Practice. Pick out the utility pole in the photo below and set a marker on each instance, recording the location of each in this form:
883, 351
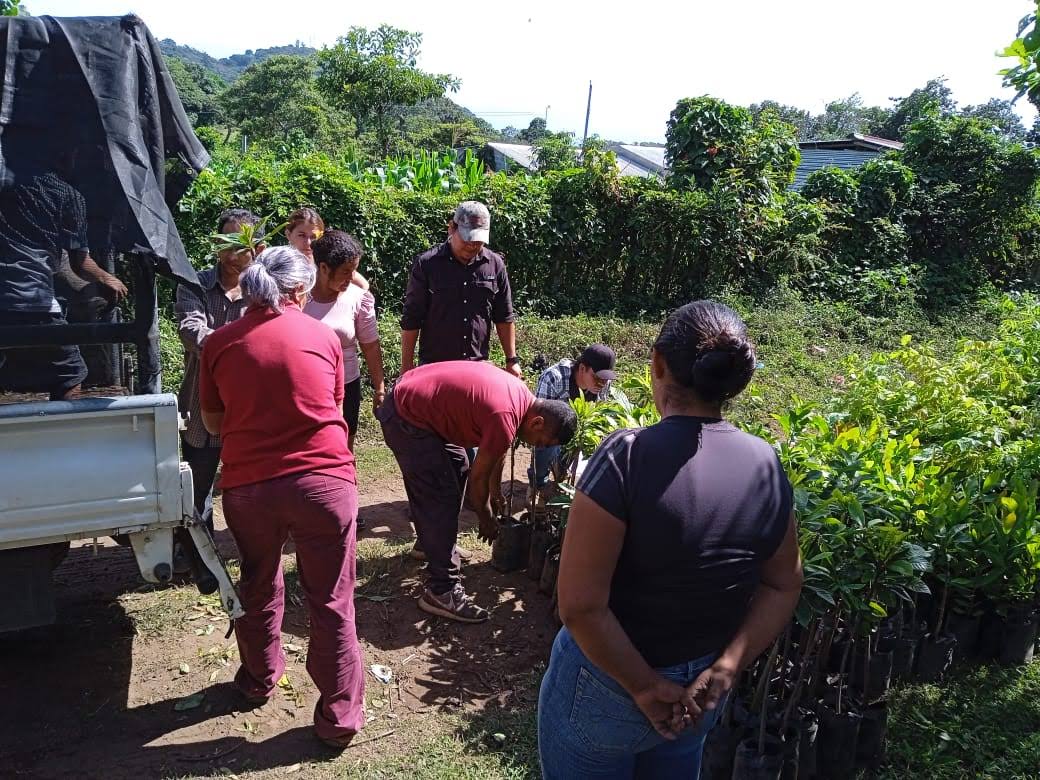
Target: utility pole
588, 111
547, 116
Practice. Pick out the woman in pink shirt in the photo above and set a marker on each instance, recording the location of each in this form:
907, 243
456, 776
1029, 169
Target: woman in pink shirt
351, 312
271, 385
303, 228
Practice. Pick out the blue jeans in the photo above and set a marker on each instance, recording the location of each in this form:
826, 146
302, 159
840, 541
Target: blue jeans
544, 458
589, 727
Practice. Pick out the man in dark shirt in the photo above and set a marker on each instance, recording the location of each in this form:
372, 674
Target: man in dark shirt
432, 414
42, 216
456, 292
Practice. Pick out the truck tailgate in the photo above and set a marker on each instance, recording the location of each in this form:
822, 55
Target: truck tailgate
89, 467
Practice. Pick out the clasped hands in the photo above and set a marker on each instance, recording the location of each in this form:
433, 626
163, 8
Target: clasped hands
672, 708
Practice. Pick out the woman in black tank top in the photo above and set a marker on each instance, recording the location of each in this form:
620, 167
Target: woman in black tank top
680, 566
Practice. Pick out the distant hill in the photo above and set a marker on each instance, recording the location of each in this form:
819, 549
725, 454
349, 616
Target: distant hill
229, 68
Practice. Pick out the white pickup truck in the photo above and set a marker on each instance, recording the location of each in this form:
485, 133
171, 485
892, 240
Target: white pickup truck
90, 468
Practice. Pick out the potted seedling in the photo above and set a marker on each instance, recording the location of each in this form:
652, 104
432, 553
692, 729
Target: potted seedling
512, 546
248, 238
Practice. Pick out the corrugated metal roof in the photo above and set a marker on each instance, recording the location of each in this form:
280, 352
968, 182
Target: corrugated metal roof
521, 154
630, 167
650, 157
815, 159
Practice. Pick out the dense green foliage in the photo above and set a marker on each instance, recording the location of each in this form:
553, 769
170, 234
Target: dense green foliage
935, 224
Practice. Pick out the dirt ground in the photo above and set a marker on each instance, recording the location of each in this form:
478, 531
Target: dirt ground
108, 691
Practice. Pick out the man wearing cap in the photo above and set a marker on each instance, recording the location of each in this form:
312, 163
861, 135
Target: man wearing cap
456, 292
589, 377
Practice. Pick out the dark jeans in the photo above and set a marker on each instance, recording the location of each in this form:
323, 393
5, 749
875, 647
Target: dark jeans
435, 474
204, 462
352, 405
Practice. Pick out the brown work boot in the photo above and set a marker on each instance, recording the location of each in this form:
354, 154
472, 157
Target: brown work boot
454, 605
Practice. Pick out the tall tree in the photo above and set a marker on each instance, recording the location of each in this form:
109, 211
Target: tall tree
933, 99
1001, 114
277, 98
199, 90
373, 74
535, 130
803, 121
841, 118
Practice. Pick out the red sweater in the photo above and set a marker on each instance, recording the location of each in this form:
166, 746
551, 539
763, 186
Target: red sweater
278, 379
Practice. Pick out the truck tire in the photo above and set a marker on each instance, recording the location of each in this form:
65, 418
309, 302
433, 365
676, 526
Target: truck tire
58, 553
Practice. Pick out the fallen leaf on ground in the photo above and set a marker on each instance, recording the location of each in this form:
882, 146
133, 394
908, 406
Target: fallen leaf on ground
189, 702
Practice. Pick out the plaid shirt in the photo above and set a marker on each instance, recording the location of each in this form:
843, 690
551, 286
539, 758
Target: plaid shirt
556, 384
196, 319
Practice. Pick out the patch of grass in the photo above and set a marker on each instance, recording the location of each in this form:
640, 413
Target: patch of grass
157, 610
984, 722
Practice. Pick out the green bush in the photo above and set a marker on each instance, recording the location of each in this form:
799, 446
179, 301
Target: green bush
935, 224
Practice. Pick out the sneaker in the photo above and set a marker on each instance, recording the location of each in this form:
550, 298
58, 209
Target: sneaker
419, 554
454, 605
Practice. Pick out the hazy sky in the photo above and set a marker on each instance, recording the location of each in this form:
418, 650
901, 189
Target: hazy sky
521, 57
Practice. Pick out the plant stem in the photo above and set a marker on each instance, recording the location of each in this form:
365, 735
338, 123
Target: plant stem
814, 635
763, 694
844, 662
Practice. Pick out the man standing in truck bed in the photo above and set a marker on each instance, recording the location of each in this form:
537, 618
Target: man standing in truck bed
41, 216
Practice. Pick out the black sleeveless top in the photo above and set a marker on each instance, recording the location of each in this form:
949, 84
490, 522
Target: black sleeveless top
704, 504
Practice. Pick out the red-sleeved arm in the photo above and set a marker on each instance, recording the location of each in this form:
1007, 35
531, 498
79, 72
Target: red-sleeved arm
209, 393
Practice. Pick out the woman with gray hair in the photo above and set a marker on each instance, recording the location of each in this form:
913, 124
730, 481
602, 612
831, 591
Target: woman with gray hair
271, 385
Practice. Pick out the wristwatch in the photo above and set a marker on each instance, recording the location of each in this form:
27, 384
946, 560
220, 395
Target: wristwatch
513, 361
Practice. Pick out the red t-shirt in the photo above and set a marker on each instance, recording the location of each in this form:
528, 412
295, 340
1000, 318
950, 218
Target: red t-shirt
278, 379
464, 402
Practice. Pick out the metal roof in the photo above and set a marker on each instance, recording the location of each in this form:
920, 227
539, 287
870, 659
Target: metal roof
521, 154
649, 157
872, 143
815, 159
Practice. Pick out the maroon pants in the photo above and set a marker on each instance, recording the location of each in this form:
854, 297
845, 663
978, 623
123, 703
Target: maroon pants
320, 512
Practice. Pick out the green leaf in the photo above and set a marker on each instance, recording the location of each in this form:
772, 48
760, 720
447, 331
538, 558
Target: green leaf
189, 702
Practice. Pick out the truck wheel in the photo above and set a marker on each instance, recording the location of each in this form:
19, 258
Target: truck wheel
58, 553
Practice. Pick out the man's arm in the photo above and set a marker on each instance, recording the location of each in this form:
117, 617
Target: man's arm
82, 262
502, 316
211, 405
507, 335
408, 341
482, 486
192, 321
413, 315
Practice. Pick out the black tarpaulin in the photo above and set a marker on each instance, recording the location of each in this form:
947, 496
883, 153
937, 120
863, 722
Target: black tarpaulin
90, 99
